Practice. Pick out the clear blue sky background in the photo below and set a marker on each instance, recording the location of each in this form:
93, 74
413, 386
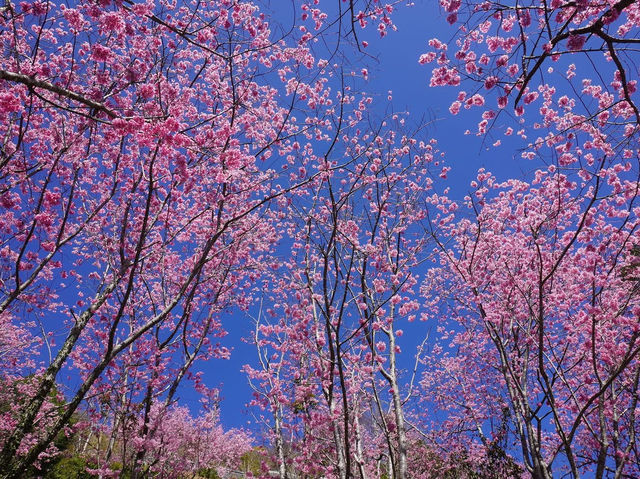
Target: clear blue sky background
395, 68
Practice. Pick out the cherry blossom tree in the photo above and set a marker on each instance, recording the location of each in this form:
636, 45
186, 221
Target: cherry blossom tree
547, 321
542, 321
568, 67
158, 159
180, 446
140, 145
329, 339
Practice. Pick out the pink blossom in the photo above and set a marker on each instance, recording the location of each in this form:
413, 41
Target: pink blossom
427, 58
100, 53
576, 42
490, 82
9, 103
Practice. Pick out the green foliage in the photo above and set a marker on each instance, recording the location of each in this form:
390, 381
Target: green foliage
249, 462
208, 473
252, 460
73, 467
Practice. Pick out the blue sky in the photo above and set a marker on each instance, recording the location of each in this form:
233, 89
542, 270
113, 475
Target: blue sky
393, 66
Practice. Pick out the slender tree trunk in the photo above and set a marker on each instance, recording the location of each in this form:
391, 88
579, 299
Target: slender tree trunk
337, 439
138, 470
397, 407
282, 465
359, 452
